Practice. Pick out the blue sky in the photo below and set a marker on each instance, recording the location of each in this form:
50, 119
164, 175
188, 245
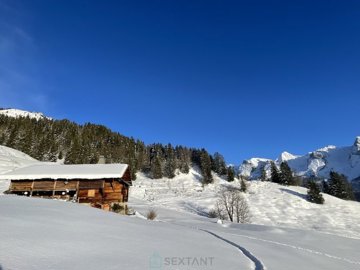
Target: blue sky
245, 78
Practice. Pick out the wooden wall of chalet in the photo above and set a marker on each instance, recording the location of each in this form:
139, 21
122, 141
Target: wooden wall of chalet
127, 176
103, 191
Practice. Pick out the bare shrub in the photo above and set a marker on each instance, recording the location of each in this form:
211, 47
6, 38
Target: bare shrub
232, 205
243, 185
151, 214
118, 208
242, 211
212, 213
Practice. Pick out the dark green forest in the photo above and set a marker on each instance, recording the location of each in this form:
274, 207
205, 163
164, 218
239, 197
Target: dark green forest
51, 140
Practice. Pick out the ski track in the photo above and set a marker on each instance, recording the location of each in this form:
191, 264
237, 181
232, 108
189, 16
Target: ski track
258, 264
298, 248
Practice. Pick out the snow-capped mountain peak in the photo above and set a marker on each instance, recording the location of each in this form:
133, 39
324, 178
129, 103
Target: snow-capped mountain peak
356, 146
16, 113
285, 156
319, 163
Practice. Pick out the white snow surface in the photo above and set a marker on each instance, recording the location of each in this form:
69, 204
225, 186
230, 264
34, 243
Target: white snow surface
60, 171
16, 113
11, 159
319, 163
46, 234
287, 232
270, 204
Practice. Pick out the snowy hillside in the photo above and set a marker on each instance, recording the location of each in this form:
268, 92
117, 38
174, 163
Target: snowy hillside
20, 113
11, 159
47, 234
270, 204
285, 230
345, 160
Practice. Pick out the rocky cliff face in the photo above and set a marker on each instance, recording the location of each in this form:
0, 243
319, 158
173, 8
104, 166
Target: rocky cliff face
356, 147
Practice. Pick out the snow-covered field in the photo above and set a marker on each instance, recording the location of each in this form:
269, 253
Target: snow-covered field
270, 204
11, 159
287, 232
47, 234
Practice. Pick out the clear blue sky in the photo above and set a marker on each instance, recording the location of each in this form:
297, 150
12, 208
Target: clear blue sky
245, 78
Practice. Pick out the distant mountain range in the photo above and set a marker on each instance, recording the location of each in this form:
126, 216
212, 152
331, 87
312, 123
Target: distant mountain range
319, 163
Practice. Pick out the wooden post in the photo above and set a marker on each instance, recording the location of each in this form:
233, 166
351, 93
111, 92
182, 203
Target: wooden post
53, 192
32, 187
77, 191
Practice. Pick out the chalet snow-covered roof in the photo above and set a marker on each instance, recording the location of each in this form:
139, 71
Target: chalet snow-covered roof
58, 171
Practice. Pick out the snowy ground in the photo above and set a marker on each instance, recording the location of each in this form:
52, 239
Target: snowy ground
11, 159
270, 204
287, 231
46, 234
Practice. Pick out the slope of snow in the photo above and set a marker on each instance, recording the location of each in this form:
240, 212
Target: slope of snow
47, 234
286, 206
16, 113
270, 204
319, 163
11, 159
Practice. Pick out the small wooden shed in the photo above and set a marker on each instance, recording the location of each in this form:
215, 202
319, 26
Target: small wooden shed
99, 185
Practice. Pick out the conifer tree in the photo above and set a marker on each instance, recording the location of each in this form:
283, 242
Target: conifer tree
286, 175
40, 150
183, 157
230, 174
263, 175
275, 175
74, 154
339, 186
170, 165
2, 138
218, 164
53, 153
11, 141
313, 193
26, 143
205, 166
243, 186
156, 170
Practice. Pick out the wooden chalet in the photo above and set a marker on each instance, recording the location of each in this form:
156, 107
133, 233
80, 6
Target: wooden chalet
99, 185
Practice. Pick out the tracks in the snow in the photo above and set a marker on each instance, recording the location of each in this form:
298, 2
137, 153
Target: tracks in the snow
315, 252
258, 264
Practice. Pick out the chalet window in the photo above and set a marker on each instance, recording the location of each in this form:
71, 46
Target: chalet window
91, 193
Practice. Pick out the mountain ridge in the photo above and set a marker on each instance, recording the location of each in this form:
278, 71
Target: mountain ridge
318, 163
16, 113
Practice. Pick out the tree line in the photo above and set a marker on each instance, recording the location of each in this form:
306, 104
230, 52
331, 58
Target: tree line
53, 140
